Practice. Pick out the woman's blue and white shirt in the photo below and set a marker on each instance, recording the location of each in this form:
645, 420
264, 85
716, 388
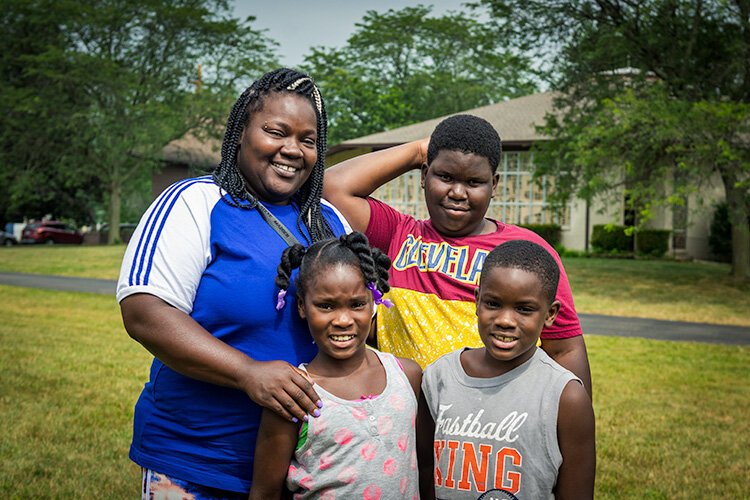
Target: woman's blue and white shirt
217, 263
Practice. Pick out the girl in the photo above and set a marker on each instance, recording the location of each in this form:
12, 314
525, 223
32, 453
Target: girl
362, 445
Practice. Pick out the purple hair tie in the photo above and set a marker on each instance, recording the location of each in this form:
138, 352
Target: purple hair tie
378, 295
280, 302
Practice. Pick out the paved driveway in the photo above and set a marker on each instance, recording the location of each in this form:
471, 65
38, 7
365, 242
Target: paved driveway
591, 323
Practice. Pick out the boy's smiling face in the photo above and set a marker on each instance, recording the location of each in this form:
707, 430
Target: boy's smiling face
512, 309
458, 188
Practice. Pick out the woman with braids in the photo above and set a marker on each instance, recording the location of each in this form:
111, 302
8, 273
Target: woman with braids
196, 289
363, 444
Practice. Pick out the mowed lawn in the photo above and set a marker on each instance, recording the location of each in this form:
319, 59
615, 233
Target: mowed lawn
701, 292
672, 418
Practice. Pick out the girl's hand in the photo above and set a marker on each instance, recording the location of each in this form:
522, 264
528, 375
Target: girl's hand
282, 388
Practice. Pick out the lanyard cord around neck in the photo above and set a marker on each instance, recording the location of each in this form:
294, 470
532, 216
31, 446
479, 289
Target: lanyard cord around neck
276, 224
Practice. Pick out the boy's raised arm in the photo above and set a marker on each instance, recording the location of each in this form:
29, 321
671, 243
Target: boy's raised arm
575, 435
348, 184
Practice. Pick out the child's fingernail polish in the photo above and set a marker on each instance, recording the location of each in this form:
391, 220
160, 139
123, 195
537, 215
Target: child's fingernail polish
305, 418
316, 413
320, 404
295, 420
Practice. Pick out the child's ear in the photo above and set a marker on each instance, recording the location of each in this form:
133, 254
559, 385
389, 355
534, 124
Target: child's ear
495, 180
301, 307
476, 298
549, 318
425, 167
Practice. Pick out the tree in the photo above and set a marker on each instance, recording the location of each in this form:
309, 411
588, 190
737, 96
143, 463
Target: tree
404, 66
124, 73
678, 112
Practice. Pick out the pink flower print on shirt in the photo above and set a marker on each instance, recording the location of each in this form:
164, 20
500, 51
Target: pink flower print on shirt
328, 495
359, 413
306, 483
385, 425
413, 461
368, 451
403, 442
397, 402
372, 492
403, 485
293, 471
390, 467
320, 425
348, 475
343, 436
326, 461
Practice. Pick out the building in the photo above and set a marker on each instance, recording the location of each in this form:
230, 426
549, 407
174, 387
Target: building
519, 199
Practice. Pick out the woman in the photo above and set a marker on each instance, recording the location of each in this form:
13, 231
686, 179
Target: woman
197, 290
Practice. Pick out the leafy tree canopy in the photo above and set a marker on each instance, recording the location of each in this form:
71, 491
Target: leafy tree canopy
655, 98
94, 91
405, 66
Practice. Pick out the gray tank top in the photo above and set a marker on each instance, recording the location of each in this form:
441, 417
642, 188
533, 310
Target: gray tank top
498, 432
361, 449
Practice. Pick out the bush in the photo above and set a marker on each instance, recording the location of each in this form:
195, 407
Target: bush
550, 232
611, 238
653, 242
569, 252
720, 235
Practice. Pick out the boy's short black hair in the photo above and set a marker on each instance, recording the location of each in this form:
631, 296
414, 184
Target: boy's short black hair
527, 256
468, 134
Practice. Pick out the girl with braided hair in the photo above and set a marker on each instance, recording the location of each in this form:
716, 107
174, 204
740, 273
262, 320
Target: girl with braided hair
196, 290
363, 443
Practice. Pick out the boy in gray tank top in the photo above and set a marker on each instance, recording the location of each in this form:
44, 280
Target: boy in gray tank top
506, 417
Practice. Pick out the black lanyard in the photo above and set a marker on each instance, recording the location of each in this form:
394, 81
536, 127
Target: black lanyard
276, 224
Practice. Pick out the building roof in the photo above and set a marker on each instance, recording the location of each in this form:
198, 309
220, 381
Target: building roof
515, 121
193, 152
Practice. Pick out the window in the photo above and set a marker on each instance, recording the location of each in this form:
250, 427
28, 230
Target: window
518, 200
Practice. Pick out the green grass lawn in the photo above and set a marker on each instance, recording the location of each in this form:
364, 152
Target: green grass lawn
680, 291
89, 261
671, 417
683, 291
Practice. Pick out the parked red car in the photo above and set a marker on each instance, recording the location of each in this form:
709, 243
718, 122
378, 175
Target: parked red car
51, 231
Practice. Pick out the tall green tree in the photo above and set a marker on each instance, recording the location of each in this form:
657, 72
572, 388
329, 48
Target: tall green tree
654, 94
404, 66
114, 82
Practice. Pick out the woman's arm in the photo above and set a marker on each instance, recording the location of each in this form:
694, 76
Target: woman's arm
274, 449
348, 184
186, 347
576, 437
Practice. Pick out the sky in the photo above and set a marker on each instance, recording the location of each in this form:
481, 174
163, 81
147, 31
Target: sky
298, 25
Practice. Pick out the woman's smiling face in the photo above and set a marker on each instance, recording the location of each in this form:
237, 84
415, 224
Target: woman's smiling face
278, 147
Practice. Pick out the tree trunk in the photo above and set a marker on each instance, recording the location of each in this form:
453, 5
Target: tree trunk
115, 195
738, 218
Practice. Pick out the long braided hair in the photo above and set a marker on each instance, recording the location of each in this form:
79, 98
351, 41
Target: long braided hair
351, 249
227, 175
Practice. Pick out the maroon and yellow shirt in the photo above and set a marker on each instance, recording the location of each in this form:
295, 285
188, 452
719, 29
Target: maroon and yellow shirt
432, 285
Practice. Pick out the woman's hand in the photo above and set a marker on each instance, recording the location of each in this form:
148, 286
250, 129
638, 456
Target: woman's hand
282, 388
186, 347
